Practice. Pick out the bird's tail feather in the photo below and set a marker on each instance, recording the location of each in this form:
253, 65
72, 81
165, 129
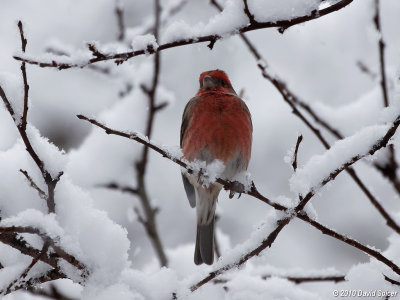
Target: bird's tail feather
204, 250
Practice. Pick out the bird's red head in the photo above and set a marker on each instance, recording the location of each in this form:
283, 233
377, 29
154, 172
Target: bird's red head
215, 80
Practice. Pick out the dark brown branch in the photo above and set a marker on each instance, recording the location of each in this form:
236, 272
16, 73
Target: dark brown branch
51, 275
365, 69
121, 57
390, 169
119, 12
26, 86
7, 103
41, 193
228, 185
149, 218
52, 293
248, 13
297, 212
21, 126
60, 52
12, 230
294, 163
121, 188
297, 279
280, 224
345, 239
292, 100
26, 271
377, 22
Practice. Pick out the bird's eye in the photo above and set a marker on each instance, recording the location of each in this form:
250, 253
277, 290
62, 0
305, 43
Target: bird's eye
223, 83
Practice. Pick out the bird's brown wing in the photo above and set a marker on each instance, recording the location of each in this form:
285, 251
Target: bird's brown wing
187, 113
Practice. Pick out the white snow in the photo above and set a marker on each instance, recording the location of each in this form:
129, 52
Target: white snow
269, 11
143, 42
53, 158
310, 176
14, 89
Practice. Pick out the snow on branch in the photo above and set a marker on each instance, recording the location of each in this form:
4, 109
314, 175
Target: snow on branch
294, 102
50, 179
211, 37
9, 235
290, 213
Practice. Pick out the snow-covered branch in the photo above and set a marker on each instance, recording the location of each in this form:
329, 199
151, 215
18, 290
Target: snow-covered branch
211, 38
382, 138
295, 103
21, 123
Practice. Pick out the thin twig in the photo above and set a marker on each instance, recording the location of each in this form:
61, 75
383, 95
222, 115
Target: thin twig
41, 193
294, 163
52, 293
121, 188
149, 219
60, 252
365, 69
21, 126
51, 275
121, 57
119, 12
23, 69
26, 271
390, 169
377, 22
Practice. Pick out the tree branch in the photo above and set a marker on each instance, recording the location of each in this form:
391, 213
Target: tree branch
41, 193
26, 271
51, 275
121, 57
60, 252
21, 126
121, 188
296, 212
292, 100
149, 219
119, 12
294, 163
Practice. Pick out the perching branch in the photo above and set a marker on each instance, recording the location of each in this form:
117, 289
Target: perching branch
121, 57
296, 212
293, 101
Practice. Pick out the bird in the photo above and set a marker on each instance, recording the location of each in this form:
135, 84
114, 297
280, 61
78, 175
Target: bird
216, 125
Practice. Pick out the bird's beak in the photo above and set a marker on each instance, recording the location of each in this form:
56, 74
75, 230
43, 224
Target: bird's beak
209, 82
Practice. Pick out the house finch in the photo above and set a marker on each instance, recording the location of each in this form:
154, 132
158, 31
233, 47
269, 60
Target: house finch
216, 125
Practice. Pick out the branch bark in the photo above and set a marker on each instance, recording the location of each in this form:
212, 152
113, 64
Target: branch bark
121, 57
149, 221
296, 212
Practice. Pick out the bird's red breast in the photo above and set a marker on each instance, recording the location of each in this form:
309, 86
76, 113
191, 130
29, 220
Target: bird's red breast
220, 123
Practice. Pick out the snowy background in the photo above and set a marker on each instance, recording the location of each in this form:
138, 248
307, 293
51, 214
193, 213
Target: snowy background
318, 61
